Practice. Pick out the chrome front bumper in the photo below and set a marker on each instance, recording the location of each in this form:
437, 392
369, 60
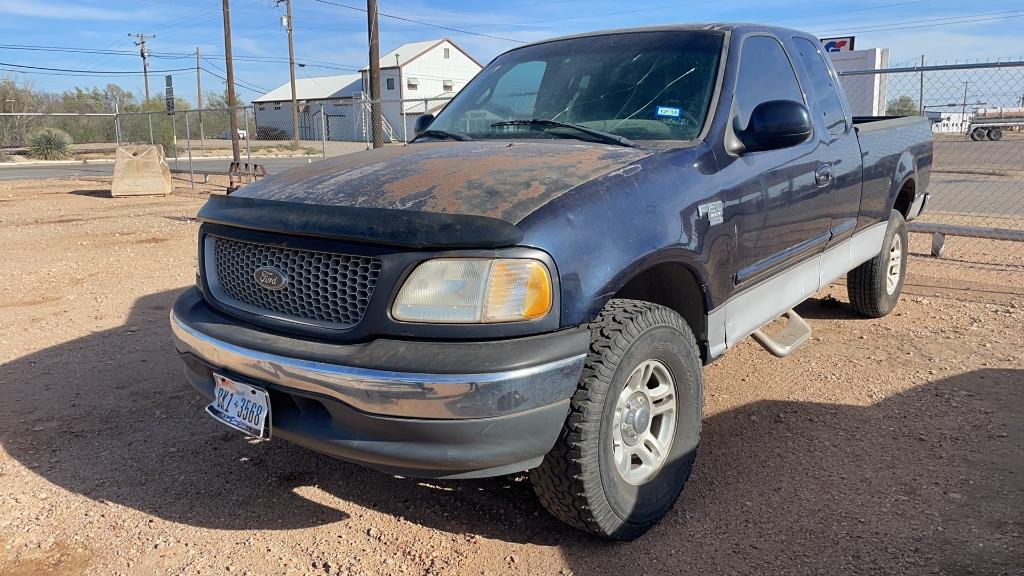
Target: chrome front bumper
387, 393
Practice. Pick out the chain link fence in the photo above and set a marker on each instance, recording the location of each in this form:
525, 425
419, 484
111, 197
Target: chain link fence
326, 128
977, 112
977, 185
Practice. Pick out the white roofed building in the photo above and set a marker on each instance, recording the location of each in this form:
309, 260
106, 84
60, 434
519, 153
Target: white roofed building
416, 77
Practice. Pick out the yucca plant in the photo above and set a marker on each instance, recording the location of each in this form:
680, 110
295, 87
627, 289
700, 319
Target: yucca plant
49, 144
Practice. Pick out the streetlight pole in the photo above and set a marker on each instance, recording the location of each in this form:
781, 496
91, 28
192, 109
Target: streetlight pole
291, 67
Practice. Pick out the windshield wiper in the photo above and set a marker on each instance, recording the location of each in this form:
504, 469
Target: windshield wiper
593, 133
443, 135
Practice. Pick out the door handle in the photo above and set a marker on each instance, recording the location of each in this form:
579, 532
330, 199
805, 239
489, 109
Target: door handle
823, 176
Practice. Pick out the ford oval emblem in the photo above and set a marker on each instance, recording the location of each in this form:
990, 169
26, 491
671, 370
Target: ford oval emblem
270, 278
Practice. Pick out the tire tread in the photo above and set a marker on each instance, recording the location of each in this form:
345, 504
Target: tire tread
567, 488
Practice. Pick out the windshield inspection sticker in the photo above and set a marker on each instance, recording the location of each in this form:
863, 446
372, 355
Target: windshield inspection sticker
713, 211
667, 112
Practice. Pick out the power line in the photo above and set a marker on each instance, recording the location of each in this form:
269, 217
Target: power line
945, 21
850, 10
403, 19
31, 48
302, 62
176, 24
106, 72
69, 74
238, 80
255, 89
599, 15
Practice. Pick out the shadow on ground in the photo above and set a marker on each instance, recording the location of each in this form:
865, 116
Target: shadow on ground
929, 480
92, 193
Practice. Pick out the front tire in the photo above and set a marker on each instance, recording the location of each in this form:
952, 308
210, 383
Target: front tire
875, 286
629, 442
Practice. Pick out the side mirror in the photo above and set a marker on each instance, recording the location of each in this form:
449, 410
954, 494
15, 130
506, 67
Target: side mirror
422, 122
776, 124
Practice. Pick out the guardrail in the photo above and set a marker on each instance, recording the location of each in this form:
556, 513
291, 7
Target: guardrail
940, 231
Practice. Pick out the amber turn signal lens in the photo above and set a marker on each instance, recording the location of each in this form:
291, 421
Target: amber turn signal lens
518, 289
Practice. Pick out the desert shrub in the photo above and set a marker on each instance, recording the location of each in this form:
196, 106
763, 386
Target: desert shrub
49, 144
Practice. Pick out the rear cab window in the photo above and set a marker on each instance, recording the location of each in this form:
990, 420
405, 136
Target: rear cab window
826, 94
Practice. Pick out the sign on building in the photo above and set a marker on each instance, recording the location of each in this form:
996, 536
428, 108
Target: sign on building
839, 44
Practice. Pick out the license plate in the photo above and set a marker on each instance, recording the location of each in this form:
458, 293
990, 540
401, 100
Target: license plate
241, 406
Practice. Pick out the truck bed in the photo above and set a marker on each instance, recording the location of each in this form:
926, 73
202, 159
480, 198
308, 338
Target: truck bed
891, 145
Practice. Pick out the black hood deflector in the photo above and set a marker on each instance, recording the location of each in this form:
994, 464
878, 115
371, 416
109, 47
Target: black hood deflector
381, 226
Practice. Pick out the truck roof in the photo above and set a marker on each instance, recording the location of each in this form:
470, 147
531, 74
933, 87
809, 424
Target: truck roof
710, 26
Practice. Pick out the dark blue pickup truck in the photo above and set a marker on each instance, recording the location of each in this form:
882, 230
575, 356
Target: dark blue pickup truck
536, 281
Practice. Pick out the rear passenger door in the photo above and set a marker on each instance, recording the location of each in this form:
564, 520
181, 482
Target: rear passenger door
833, 120
784, 207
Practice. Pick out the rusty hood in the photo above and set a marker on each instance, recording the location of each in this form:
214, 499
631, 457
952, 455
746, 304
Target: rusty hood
505, 180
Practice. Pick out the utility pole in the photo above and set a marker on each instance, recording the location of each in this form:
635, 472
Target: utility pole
199, 96
141, 43
375, 112
291, 66
229, 68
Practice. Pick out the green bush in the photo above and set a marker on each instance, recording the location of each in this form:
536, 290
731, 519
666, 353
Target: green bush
49, 144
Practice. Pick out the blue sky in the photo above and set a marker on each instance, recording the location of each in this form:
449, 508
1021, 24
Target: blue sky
329, 35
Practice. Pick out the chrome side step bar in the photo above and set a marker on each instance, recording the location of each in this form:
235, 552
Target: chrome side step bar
796, 332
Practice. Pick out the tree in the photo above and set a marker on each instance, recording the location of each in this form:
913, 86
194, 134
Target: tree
18, 97
902, 106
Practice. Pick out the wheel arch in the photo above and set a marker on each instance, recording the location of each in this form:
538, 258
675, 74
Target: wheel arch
674, 284
905, 195
904, 184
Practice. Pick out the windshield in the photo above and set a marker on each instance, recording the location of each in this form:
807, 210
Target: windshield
640, 85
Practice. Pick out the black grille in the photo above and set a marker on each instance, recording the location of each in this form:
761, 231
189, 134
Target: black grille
322, 288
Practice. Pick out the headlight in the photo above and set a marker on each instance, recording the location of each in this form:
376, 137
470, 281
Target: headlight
475, 290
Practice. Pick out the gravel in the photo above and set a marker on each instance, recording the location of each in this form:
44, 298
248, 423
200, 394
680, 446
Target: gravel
892, 446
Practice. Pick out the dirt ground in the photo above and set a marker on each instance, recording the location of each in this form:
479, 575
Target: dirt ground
892, 446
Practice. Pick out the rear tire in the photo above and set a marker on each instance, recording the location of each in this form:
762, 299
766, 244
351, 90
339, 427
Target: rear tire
979, 134
995, 134
630, 439
875, 286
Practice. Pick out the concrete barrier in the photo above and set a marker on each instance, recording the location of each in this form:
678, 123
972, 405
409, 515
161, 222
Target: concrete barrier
141, 171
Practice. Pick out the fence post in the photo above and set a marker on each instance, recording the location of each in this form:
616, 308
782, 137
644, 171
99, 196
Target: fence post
117, 123
405, 121
248, 138
174, 140
188, 139
323, 132
920, 99
149, 116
